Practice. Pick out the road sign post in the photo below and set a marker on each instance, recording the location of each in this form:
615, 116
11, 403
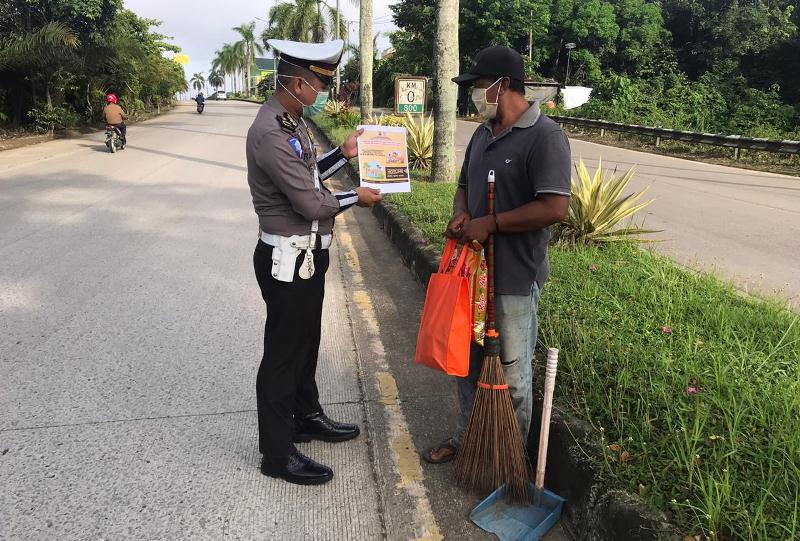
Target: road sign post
410, 95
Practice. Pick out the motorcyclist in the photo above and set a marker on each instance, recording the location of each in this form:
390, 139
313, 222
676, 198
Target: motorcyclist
201, 101
115, 116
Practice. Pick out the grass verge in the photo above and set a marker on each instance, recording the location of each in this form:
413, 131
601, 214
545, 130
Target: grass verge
693, 388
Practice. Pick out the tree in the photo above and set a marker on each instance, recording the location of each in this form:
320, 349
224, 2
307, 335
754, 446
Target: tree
250, 46
215, 79
365, 45
708, 33
226, 60
59, 57
445, 56
197, 81
303, 20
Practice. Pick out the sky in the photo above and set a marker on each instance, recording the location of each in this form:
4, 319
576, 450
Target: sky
201, 27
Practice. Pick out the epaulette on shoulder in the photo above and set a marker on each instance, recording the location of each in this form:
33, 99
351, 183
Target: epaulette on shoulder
287, 123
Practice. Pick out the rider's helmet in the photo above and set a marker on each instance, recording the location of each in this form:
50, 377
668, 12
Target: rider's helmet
111, 98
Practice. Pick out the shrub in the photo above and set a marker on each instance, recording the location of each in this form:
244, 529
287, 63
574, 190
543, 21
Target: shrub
341, 115
420, 141
386, 120
596, 209
47, 119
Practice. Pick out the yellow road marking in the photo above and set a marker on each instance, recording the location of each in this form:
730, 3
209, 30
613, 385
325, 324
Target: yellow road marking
404, 454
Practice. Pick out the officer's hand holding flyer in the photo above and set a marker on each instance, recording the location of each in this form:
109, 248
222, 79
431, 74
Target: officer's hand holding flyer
383, 159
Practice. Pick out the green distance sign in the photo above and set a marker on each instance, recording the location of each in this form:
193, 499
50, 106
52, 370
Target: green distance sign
410, 108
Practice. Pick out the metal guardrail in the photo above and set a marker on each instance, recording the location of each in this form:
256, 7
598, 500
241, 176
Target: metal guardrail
733, 141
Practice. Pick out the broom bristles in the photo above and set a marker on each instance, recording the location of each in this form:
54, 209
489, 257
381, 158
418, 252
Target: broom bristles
492, 453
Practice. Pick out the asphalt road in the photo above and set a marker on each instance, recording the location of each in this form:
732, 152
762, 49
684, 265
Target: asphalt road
130, 335
743, 225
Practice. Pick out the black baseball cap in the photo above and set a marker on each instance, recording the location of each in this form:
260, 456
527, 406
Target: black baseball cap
497, 61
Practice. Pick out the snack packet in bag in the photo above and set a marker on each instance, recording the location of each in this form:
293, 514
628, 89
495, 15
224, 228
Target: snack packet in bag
478, 285
476, 270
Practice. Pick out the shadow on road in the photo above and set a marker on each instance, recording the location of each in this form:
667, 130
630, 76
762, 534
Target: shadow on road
168, 127
180, 157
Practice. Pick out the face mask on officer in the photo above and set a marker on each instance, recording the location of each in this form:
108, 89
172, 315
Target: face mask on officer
486, 110
313, 108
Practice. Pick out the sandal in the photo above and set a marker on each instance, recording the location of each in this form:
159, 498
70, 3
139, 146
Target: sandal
449, 445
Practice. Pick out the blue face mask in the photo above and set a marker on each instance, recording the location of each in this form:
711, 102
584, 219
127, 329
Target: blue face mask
319, 104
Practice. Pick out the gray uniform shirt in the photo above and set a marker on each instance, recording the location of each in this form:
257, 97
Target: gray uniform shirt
281, 163
529, 159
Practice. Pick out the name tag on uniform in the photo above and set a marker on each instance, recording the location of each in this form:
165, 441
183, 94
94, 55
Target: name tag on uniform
296, 146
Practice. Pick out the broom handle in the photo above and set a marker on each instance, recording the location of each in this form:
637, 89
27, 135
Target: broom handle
547, 409
490, 326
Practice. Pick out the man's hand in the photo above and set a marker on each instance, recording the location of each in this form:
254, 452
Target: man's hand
367, 197
456, 225
350, 146
478, 229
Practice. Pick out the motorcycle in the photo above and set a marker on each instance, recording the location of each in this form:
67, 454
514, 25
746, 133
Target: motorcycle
200, 106
113, 138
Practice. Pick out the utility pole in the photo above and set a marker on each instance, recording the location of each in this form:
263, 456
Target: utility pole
530, 39
568, 47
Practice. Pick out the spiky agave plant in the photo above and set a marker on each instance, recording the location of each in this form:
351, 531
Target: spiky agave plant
597, 208
420, 141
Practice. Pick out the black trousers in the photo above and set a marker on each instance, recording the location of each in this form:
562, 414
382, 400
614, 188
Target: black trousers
286, 384
123, 131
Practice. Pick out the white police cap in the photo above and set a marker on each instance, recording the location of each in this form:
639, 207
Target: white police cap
320, 58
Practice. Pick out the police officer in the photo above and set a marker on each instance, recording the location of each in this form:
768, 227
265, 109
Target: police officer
295, 215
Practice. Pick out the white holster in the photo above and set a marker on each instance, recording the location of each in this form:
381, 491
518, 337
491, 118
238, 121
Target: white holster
286, 249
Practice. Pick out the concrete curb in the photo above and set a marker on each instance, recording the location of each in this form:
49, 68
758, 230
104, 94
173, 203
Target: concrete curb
593, 512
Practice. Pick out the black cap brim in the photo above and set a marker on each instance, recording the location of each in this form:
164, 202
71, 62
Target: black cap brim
465, 78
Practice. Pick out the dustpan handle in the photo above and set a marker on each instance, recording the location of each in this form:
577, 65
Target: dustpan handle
547, 409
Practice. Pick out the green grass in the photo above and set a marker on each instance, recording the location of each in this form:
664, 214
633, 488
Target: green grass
336, 133
636, 332
638, 336
429, 206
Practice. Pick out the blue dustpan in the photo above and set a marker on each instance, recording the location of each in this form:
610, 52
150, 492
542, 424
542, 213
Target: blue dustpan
518, 523
531, 522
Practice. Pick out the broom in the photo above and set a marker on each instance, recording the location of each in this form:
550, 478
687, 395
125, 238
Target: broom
492, 453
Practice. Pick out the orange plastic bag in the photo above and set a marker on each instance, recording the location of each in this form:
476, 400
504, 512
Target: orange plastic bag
445, 331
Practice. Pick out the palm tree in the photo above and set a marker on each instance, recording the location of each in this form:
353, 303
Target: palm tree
215, 79
303, 20
251, 47
445, 61
365, 44
227, 61
197, 81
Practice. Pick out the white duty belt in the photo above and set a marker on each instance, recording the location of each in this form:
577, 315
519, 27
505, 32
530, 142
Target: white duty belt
286, 249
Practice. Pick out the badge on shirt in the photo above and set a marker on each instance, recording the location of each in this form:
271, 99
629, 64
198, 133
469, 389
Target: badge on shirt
287, 123
296, 146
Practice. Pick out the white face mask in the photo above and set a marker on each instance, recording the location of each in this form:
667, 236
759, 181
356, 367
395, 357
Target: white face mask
486, 110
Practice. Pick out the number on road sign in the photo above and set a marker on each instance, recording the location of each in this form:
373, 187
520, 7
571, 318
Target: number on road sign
409, 94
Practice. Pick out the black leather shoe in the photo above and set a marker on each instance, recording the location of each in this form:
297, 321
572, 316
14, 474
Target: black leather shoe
317, 426
298, 469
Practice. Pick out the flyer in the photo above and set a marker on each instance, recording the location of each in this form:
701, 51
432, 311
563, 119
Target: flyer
383, 159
